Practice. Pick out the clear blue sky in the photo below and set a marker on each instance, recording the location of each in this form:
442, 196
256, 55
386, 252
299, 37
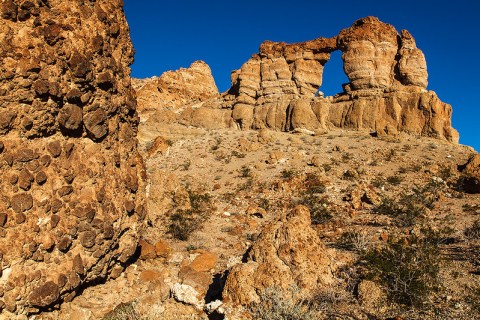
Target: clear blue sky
168, 35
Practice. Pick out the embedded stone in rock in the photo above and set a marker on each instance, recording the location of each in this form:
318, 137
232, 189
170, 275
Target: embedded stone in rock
9, 10
95, 123
25, 179
52, 55
6, 119
25, 155
22, 202
44, 295
70, 117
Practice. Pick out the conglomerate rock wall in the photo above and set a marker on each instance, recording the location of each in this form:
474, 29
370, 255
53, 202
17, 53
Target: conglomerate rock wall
71, 190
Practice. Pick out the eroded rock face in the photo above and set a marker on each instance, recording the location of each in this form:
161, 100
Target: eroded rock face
174, 89
287, 253
68, 153
278, 87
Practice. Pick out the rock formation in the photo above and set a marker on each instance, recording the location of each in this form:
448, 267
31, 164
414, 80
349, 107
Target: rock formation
470, 181
71, 193
175, 89
287, 253
278, 87
188, 96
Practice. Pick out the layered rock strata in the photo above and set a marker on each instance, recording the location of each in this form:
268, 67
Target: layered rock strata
278, 87
71, 191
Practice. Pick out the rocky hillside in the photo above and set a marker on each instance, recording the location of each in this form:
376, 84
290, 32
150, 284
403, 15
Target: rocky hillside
357, 206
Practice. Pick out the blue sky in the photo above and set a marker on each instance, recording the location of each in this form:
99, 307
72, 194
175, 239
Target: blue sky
168, 35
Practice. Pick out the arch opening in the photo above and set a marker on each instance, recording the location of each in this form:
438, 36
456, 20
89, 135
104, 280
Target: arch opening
333, 75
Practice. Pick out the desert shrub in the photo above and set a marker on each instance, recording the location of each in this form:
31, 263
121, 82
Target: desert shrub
408, 268
288, 174
124, 311
276, 305
350, 174
347, 156
395, 180
313, 199
391, 154
184, 222
473, 232
237, 154
411, 204
314, 184
355, 240
327, 300
245, 172
216, 145
319, 211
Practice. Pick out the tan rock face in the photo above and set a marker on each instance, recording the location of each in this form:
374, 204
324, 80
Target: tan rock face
369, 48
72, 203
277, 88
287, 253
174, 89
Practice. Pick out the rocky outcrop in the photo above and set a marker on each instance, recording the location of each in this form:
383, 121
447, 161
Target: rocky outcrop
71, 193
287, 253
278, 87
175, 89
386, 93
470, 179
188, 96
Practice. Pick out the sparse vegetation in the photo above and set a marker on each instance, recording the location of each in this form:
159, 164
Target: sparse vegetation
395, 180
184, 221
407, 267
124, 311
276, 305
473, 232
357, 241
288, 173
411, 205
245, 172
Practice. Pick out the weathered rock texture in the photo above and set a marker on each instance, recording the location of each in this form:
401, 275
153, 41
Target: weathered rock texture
470, 181
278, 87
188, 96
70, 195
287, 253
175, 89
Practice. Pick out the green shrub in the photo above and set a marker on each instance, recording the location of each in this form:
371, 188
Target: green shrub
408, 268
411, 204
288, 174
184, 222
319, 211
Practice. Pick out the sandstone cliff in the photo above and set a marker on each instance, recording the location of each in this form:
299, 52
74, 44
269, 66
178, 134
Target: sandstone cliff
278, 87
71, 197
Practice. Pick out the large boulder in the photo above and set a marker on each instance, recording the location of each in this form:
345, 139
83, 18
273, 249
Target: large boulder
72, 194
287, 253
